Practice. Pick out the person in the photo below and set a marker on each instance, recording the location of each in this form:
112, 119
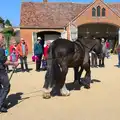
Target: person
93, 59
107, 49
13, 45
46, 49
118, 52
38, 51
44, 60
7, 54
14, 57
22, 50
4, 81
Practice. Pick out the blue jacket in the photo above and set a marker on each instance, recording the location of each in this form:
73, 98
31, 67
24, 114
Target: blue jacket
38, 49
6, 52
3, 58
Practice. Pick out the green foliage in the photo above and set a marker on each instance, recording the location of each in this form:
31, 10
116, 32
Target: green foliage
8, 30
7, 22
1, 20
7, 38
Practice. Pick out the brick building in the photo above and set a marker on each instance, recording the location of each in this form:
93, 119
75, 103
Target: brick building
51, 20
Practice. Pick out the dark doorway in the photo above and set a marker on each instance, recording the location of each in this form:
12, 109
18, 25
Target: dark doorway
43, 35
100, 30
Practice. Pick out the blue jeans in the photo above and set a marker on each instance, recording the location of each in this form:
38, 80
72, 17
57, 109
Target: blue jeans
119, 59
23, 60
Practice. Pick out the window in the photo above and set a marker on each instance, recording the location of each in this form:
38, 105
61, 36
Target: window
93, 12
103, 12
98, 11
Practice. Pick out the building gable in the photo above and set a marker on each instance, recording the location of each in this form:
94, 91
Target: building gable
86, 16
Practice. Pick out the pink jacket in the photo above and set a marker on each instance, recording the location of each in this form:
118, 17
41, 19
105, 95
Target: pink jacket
11, 47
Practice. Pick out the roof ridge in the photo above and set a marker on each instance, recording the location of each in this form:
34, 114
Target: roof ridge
58, 2
112, 2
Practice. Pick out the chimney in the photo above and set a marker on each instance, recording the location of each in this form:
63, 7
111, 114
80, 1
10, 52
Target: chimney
45, 1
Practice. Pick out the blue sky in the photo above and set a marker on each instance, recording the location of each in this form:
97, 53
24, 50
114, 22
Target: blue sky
10, 9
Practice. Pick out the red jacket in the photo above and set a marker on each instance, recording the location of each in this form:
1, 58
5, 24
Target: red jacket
107, 45
46, 51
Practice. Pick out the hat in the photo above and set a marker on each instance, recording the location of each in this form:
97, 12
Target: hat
103, 40
39, 38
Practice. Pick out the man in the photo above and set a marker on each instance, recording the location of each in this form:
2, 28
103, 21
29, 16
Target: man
38, 51
118, 52
93, 59
4, 82
22, 50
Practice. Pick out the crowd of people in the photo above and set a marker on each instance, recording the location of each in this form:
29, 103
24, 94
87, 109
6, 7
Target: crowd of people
20, 52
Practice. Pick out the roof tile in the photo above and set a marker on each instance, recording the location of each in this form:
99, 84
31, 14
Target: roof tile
49, 15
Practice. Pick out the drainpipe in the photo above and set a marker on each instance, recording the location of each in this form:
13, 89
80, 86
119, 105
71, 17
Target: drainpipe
70, 31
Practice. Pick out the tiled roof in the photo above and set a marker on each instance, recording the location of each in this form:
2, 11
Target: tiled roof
53, 14
49, 15
115, 7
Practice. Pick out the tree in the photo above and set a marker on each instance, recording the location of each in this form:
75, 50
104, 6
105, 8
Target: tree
7, 23
8, 32
1, 20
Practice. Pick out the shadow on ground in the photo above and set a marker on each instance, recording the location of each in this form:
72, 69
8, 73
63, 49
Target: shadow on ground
14, 99
72, 86
77, 86
117, 66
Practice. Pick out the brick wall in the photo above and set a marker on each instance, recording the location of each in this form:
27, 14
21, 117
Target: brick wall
86, 16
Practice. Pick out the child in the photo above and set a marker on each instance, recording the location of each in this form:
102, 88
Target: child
14, 56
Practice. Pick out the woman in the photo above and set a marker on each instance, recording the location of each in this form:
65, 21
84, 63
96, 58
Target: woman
13, 45
44, 61
46, 49
38, 51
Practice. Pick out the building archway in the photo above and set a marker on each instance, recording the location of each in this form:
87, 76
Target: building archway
100, 30
45, 35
